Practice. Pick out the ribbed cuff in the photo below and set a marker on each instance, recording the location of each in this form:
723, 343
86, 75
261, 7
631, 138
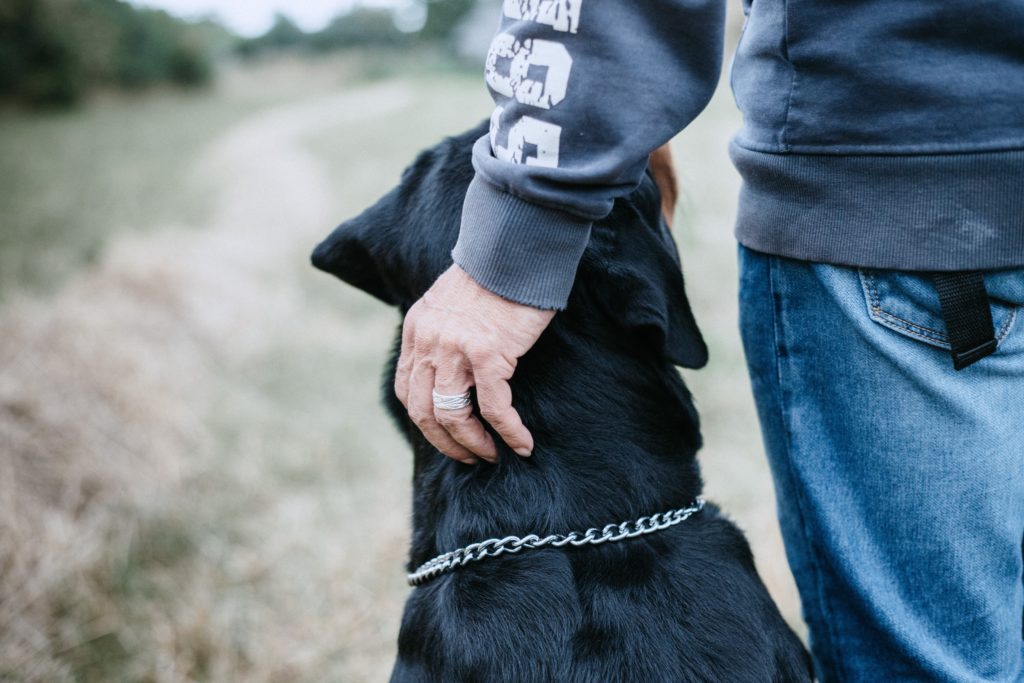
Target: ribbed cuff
520, 251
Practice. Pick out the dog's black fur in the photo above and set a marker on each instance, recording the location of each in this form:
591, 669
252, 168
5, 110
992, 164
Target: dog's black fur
616, 435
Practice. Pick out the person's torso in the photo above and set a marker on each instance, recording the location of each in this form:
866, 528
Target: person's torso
881, 76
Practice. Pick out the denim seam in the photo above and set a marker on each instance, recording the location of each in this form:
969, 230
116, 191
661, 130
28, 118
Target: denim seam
893, 321
913, 329
1007, 325
801, 504
882, 315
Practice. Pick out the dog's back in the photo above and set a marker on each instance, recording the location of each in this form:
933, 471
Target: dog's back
684, 605
616, 436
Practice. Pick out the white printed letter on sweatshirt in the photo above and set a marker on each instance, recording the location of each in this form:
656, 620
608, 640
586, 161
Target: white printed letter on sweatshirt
584, 90
535, 73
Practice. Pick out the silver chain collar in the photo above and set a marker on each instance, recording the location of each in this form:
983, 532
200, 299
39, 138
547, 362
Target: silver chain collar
493, 547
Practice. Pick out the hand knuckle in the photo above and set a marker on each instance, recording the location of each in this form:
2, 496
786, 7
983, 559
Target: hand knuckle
449, 345
491, 414
424, 341
478, 353
445, 418
447, 365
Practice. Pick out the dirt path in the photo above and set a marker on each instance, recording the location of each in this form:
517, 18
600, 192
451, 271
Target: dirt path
196, 481
275, 196
126, 412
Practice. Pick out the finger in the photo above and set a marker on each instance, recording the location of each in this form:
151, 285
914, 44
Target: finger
421, 412
495, 397
403, 368
453, 378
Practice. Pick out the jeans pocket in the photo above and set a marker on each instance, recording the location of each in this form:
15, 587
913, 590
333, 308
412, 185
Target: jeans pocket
908, 303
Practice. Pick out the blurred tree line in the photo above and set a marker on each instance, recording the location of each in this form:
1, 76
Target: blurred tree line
52, 52
416, 22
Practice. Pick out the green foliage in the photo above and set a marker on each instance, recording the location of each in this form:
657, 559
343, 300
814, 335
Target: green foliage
36, 62
443, 16
364, 27
284, 33
54, 51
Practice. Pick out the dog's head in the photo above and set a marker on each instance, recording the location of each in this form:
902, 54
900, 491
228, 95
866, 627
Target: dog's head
629, 275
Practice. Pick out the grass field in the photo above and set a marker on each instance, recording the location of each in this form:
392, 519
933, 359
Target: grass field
196, 480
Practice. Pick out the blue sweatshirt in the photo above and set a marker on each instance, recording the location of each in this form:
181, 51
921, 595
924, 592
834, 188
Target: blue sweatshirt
877, 133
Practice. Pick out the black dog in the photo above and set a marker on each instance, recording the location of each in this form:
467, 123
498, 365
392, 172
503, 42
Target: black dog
616, 435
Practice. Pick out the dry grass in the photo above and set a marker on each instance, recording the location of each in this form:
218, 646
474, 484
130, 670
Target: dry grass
93, 431
196, 481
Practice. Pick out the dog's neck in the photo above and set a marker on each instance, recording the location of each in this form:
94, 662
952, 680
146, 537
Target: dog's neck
615, 436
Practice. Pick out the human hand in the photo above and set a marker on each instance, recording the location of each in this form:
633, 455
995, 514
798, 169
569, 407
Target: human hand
461, 335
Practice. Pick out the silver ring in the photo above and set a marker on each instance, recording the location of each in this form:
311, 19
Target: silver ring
457, 402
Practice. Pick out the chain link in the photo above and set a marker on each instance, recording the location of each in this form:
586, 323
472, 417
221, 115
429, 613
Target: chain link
493, 547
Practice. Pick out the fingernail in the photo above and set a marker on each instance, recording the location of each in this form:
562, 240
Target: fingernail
524, 452
471, 461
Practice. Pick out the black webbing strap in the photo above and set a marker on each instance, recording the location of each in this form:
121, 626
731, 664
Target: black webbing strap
968, 317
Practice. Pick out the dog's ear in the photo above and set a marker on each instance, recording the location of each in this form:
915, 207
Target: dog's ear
634, 261
399, 246
360, 251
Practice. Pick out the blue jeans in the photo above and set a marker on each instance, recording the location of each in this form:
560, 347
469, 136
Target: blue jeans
900, 482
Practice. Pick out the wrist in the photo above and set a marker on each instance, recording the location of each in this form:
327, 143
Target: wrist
520, 251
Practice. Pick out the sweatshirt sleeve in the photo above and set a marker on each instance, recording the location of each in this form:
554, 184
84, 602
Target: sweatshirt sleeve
585, 90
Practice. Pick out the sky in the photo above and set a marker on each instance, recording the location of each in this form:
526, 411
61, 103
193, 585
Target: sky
253, 17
